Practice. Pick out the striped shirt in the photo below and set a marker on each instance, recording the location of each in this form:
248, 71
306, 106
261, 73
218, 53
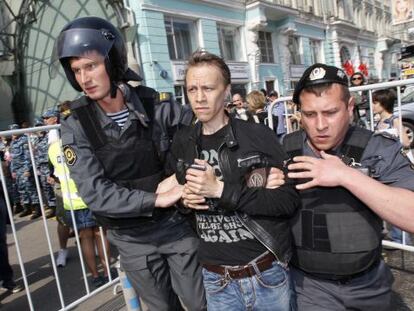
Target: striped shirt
119, 117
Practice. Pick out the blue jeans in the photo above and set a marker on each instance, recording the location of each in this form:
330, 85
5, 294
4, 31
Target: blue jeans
268, 290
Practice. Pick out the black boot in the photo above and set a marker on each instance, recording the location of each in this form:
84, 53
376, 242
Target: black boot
26, 210
17, 208
36, 211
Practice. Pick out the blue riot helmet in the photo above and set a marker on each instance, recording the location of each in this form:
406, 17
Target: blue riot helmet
50, 113
88, 34
14, 126
38, 122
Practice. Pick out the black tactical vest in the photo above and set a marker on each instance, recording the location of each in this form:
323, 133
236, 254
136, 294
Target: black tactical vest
335, 234
131, 161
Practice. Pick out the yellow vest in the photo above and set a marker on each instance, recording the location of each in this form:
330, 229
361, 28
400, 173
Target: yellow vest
71, 198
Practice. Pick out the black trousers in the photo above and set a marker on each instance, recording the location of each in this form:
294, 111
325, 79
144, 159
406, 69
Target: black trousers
6, 272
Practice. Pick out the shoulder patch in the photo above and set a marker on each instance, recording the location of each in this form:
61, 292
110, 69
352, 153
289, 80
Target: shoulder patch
70, 155
65, 114
386, 135
164, 96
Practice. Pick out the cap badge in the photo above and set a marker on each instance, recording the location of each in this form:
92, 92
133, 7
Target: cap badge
317, 73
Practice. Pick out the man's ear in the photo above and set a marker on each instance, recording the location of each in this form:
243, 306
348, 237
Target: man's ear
228, 91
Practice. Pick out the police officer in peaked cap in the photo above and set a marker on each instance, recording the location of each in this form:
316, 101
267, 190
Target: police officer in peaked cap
349, 179
114, 143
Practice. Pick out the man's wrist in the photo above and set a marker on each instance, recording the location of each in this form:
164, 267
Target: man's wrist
220, 187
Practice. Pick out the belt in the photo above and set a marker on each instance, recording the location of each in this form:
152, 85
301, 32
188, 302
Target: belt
343, 279
240, 272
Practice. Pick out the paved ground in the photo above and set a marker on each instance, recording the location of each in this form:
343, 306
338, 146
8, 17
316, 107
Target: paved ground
44, 292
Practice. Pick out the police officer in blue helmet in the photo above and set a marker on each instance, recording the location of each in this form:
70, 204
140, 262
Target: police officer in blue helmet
41, 143
350, 179
113, 143
51, 113
22, 173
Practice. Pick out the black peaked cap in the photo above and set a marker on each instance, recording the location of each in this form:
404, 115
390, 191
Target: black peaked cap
318, 74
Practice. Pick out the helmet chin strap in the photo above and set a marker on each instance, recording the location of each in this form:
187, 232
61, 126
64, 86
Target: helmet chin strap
114, 87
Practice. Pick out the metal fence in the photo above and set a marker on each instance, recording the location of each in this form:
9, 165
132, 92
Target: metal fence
370, 125
89, 293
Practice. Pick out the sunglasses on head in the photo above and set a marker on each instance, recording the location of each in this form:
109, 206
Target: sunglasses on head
356, 78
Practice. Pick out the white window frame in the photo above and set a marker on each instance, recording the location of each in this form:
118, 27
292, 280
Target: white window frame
268, 47
191, 28
315, 45
298, 50
237, 41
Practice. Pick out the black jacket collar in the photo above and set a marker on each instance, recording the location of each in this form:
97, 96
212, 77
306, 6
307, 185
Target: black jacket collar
230, 139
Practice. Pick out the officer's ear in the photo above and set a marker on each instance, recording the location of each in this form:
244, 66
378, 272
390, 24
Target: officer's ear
351, 105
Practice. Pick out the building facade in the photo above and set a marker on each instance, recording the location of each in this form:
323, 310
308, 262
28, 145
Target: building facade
266, 43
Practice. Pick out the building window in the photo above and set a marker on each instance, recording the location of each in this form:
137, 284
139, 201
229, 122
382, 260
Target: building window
315, 51
227, 36
344, 54
178, 37
180, 94
266, 47
294, 49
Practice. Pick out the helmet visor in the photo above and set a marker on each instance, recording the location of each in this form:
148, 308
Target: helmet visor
77, 42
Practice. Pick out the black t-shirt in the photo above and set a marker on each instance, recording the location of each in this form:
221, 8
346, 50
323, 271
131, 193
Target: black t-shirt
223, 238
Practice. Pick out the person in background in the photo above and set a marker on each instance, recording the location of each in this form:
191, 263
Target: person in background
278, 110
22, 172
40, 144
361, 110
239, 110
349, 180
256, 106
89, 233
383, 105
52, 117
6, 272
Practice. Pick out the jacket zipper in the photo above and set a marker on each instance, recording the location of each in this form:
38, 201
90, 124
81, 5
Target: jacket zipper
242, 221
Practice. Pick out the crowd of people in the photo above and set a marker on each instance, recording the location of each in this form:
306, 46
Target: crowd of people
220, 211
57, 190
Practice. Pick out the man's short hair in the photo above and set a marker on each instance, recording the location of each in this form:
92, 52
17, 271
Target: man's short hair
202, 57
318, 89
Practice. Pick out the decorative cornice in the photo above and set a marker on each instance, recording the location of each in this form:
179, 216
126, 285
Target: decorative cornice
191, 14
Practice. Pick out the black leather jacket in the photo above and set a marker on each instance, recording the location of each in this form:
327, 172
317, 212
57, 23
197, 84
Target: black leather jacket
264, 212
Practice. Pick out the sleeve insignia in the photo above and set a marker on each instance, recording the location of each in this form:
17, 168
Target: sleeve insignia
70, 155
165, 96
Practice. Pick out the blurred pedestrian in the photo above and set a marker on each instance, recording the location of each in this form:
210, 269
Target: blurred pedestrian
239, 110
40, 146
6, 272
278, 110
89, 233
383, 105
256, 106
51, 117
22, 171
